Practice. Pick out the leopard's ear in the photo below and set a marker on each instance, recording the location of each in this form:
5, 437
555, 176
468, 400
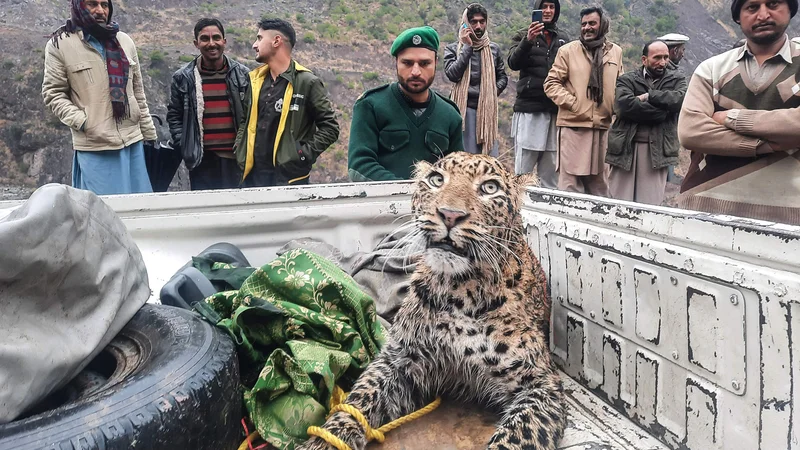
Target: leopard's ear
524, 180
421, 168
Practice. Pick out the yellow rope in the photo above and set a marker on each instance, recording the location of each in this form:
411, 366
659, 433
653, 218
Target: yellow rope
328, 437
413, 416
338, 397
253, 436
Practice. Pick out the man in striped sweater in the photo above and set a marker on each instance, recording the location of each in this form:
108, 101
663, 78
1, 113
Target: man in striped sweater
742, 106
205, 110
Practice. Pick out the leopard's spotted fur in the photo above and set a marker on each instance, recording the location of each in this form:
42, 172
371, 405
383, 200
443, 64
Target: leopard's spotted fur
473, 326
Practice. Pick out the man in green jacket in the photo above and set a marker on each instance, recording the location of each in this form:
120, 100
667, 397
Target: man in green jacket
398, 124
289, 119
644, 139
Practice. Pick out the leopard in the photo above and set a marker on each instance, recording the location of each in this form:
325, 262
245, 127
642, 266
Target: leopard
474, 324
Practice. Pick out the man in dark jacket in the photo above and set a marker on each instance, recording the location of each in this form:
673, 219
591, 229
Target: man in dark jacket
534, 124
476, 90
644, 139
289, 118
205, 109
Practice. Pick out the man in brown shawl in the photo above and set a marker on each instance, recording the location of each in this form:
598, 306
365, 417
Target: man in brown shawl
581, 83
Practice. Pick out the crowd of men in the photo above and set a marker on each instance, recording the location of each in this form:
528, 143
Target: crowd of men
580, 121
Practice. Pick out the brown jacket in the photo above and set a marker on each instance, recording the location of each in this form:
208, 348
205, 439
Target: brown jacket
75, 89
568, 79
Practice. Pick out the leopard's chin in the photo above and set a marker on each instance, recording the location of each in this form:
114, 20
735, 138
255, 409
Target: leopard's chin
447, 262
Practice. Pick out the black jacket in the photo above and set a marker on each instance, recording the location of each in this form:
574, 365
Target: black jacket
455, 65
534, 60
182, 110
659, 113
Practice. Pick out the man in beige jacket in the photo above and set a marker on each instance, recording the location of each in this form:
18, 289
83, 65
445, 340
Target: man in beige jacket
582, 83
93, 84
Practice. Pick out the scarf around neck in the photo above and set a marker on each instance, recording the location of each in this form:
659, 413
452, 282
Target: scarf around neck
116, 61
595, 47
486, 123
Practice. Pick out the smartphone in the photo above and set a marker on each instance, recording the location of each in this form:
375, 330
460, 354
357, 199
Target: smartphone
536, 15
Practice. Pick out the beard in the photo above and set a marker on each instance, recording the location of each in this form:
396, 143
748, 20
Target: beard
404, 83
261, 58
766, 39
656, 72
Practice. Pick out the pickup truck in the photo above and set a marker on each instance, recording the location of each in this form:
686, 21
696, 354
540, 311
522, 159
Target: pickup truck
673, 329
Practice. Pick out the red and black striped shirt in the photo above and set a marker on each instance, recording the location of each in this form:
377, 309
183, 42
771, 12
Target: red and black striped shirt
219, 132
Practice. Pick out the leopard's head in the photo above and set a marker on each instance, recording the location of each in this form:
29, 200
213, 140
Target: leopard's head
467, 211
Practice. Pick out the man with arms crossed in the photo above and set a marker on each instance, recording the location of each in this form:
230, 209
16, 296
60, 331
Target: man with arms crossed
643, 140
742, 105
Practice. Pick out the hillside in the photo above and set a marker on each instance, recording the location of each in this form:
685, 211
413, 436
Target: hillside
344, 41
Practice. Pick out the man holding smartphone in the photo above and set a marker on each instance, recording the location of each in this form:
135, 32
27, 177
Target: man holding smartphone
534, 124
476, 67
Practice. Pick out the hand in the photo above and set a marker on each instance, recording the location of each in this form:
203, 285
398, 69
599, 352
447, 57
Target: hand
720, 117
466, 36
644, 97
534, 30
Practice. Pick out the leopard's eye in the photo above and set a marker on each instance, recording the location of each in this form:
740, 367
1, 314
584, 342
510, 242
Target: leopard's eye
436, 179
490, 187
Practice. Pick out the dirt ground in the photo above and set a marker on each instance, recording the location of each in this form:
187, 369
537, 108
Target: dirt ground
672, 190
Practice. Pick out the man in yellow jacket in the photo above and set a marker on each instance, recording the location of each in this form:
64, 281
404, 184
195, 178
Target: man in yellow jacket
581, 83
289, 119
93, 84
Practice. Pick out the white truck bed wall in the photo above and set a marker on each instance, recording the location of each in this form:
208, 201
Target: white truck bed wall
689, 324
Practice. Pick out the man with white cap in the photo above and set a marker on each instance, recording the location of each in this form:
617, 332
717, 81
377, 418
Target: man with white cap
676, 43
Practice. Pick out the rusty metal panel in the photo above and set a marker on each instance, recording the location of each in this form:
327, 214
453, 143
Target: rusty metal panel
702, 416
703, 329
612, 281
575, 279
647, 371
576, 341
648, 305
776, 396
612, 368
695, 339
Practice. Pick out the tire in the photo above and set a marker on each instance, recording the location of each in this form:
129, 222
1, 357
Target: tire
172, 382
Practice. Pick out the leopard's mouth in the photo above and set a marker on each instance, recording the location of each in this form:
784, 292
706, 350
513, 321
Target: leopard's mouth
449, 246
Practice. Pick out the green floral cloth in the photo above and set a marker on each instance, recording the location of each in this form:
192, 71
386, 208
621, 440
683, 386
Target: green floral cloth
301, 325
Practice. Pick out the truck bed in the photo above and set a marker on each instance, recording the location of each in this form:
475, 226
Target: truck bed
674, 329
592, 425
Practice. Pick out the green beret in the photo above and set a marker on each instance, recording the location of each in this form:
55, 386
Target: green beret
425, 37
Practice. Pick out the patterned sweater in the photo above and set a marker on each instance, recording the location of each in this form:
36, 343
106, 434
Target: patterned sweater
721, 83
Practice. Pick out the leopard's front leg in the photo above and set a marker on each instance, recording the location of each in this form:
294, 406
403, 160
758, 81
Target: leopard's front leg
385, 391
535, 418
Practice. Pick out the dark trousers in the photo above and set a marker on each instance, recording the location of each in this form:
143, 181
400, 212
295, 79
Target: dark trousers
268, 176
215, 172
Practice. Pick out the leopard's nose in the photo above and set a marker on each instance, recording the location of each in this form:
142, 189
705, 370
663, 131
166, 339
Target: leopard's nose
452, 217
